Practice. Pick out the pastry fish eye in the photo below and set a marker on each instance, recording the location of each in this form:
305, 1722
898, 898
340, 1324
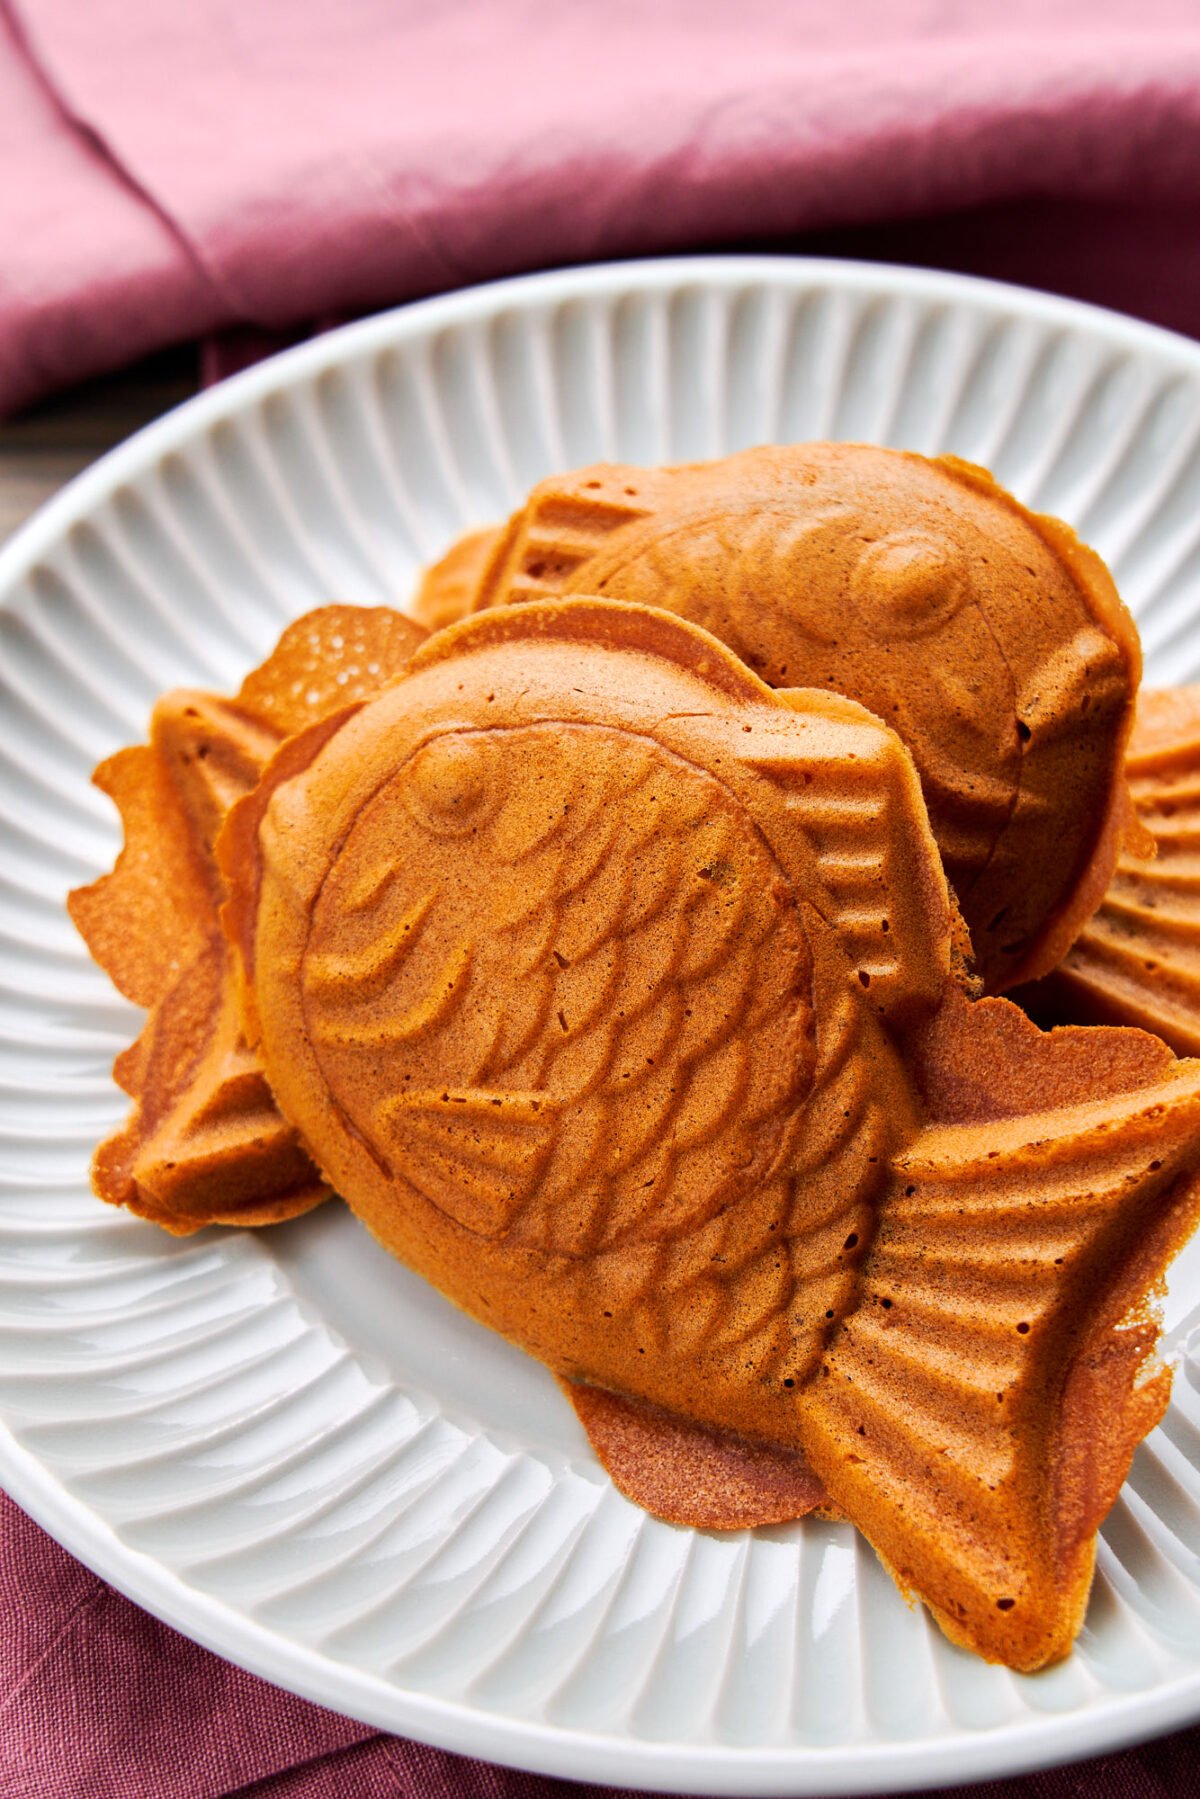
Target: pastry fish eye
453, 784
907, 584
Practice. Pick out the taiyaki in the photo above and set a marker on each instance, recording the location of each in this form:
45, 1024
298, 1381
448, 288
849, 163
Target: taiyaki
1137, 961
204, 1142
617, 993
991, 639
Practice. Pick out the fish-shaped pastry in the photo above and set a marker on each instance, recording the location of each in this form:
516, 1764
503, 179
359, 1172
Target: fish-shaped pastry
991, 639
618, 995
204, 1142
1137, 961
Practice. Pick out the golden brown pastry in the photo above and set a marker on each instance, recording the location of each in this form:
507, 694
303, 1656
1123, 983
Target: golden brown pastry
449, 587
204, 1142
1137, 961
616, 993
689, 1473
990, 638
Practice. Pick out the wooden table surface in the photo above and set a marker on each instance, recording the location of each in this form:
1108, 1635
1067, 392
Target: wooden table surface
43, 448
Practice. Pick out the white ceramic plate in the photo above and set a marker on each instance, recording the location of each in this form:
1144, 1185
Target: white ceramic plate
283, 1443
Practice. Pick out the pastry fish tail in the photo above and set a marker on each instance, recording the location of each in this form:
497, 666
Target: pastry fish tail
977, 1411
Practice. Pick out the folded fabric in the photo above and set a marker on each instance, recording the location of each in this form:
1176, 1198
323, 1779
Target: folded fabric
173, 170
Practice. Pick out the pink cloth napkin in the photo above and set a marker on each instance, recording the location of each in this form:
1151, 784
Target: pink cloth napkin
210, 166
172, 169
100, 1701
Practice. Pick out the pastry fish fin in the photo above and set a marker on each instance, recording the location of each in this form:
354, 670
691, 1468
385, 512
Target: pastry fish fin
855, 795
977, 1411
204, 1143
212, 752
330, 658
150, 918
475, 1153
563, 524
152, 915
1137, 960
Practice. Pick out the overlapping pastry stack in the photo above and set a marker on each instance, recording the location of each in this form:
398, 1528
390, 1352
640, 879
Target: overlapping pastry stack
204, 1143
989, 637
624, 995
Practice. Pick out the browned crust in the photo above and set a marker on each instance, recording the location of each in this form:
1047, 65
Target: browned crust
1021, 1250
689, 1475
448, 588
1098, 860
204, 1142
1135, 961
620, 530
937, 1311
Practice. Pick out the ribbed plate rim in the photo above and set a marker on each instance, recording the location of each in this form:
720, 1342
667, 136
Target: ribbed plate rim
1011, 1748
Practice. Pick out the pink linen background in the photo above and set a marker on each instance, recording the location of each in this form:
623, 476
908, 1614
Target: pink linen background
247, 167
214, 162
100, 1701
